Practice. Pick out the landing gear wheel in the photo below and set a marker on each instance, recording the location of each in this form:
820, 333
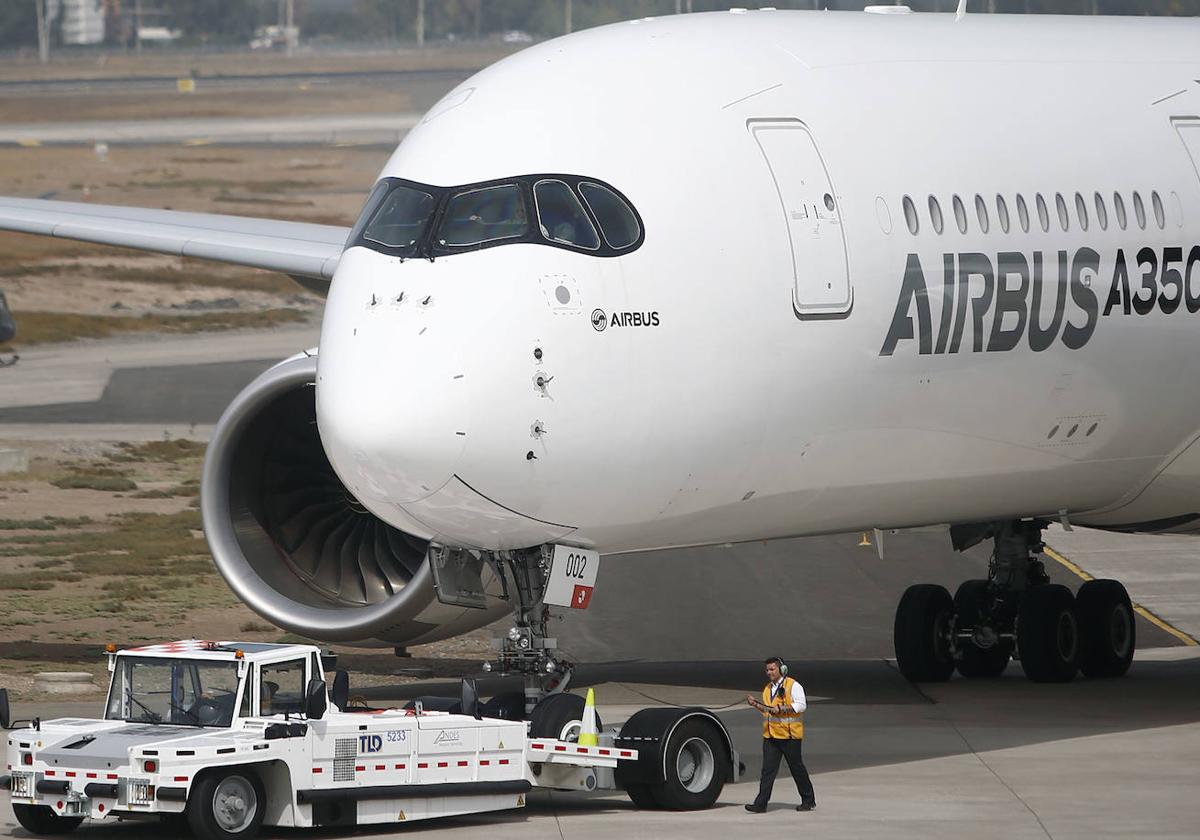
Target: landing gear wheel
1048, 634
1107, 629
970, 604
922, 633
507, 706
559, 716
642, 796
226, 805
41, 820
697, 766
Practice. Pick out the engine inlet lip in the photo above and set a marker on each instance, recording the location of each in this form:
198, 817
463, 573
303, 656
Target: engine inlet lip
332, 623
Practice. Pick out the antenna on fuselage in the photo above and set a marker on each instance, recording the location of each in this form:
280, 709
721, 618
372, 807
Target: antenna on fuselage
962, 10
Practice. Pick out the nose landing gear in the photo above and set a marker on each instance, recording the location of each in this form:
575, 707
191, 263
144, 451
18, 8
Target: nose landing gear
1015, 614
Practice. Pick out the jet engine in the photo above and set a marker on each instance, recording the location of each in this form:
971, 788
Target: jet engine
297, 547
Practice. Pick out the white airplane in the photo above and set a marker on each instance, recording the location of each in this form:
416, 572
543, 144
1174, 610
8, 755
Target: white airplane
724, 277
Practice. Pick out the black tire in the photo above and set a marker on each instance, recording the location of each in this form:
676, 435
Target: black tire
643, 797
1048, 634
41, 820
697, 767
555, 715
1107, 628
921, 633
970, 604
209, 821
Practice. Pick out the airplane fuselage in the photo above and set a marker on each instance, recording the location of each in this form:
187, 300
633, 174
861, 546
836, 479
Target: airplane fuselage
896, 270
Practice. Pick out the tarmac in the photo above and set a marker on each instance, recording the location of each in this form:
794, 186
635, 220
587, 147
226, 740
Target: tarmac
981, 759
324, 129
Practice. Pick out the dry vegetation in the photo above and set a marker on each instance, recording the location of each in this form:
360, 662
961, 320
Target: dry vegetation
102, 542
61, 290
134, 569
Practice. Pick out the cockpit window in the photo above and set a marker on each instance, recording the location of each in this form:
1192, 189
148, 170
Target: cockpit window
406, 219
478, 216
616, 218
400, 219
562, 217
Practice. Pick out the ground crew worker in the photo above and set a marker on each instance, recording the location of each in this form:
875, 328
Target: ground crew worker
783, 706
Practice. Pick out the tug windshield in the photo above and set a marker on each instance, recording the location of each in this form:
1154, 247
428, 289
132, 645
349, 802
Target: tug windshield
179, 692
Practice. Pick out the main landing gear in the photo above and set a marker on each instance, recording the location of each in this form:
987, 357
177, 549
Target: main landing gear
1015, 614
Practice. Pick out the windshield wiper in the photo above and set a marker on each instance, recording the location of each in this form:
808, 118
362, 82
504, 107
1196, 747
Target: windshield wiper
177, 707
152, 716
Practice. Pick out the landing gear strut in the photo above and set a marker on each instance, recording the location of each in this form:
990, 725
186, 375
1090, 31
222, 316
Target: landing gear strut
526, 649
1015, 613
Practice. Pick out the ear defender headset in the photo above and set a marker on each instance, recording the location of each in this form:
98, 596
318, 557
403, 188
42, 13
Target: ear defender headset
783, 668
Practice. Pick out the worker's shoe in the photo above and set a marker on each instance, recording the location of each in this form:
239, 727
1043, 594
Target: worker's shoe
756, 809
806, 806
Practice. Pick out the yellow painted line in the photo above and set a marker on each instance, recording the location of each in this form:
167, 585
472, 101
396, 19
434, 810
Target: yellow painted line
199, 141
1137, 608
29, 143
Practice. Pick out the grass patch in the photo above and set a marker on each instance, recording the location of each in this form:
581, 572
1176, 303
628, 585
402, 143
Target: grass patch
167, 451
280, 185
37, 580
151, 494
46, 523
95, 481
26, 525
130, 590
139, 544
256, 627
205, 159
226, 198
54, 327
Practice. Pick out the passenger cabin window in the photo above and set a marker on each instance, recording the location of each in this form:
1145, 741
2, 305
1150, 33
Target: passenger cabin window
1002, 213
910, 216
1101, 212
1043, 214
1160, 214
1060, 204
982, 213
1139, 210
476, 217
561, 216
405, 219
281, 688
960, 214
616, 218
1023, 213
1119, 207
1081, 211
935, 215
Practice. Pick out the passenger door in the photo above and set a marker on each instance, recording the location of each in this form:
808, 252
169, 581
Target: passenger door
811, 214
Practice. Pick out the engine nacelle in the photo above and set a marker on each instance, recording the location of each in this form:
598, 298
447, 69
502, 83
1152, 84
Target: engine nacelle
296, 546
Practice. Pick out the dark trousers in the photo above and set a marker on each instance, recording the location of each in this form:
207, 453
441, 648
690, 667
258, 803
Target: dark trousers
773, 750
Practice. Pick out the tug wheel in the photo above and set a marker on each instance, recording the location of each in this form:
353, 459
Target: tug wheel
41, 820
226, 805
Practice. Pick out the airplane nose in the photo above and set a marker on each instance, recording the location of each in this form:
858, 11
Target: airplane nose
392, 407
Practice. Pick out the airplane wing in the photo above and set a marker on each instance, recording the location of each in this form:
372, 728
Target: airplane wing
296, 248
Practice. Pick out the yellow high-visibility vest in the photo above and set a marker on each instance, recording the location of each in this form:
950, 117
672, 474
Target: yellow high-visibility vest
785, 724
